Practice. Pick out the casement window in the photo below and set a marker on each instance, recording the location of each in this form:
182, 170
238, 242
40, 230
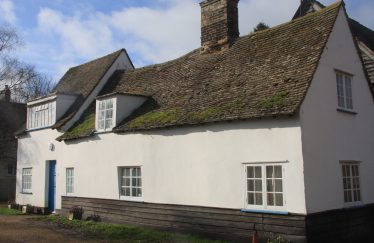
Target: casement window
26, 180
41, 116
69, 180
105, 115
265, 186
130, 179
351, 182
344, 88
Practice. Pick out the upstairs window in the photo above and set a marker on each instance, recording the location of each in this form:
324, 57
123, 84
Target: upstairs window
344, 88
41, 116
265, 186
105, 115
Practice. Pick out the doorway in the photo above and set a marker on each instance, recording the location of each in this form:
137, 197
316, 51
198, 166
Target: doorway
52, 186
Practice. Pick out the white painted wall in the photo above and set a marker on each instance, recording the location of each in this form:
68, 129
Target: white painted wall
63, 104
126, 105
190, 166
330, 136
34, 152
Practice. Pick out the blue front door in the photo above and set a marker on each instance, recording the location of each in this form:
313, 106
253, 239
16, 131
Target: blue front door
52, 186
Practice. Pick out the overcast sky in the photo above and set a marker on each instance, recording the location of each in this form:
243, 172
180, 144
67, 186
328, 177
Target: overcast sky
59, 34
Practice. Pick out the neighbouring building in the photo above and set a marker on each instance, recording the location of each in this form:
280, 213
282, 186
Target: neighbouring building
12, 117
363, 35
270, 132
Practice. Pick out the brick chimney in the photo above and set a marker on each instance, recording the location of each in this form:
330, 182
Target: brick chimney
5, 94
219, 24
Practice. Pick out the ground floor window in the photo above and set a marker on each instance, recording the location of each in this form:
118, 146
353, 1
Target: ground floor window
351, 182
130, 182
264, 186
26, 180
69, 180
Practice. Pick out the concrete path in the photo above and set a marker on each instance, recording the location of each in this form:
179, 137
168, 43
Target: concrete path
24, 229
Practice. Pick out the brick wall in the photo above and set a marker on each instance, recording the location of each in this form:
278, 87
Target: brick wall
219, 24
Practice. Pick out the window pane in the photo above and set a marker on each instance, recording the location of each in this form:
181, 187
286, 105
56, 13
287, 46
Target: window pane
259, 199
250, 172
108, 123
270, 200
278, 185
250, 185
109, 104
258, 185
269, 171
258, 173
109, 114
277, 171
278, 199
270, 185
251, 198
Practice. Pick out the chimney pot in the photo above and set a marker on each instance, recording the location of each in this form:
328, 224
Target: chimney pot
219, 24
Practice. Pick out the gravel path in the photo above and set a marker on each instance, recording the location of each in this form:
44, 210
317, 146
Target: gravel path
24, 229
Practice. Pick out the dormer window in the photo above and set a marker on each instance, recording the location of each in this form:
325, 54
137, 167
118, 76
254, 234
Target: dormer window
111, 109
40, 116
105, 115
44, 112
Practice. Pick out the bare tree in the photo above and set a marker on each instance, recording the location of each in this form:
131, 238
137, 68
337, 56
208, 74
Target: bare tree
21, 78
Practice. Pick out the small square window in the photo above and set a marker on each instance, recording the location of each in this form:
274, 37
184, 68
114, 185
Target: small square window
130, 180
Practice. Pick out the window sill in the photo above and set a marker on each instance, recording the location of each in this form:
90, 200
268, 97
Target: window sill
26, 193
264, 211
131, 199
347, 111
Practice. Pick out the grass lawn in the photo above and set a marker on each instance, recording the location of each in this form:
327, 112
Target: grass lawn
7, 211
121, 233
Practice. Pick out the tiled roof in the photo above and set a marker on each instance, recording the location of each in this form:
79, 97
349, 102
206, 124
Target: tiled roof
264, 74
81, 80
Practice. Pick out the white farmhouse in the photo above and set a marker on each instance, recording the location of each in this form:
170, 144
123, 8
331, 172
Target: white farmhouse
271, 132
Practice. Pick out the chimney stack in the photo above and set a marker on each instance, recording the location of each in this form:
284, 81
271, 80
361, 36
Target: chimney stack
219, 24
7, 93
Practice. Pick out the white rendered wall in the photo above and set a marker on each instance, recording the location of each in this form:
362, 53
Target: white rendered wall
126, 105
34, 152
201, 166
330, 136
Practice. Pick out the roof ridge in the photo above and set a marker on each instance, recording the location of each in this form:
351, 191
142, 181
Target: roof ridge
99, 58
249, 35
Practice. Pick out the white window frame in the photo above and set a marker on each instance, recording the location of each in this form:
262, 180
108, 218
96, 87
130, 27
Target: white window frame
264, 192
69, 181
344, 90
349, 179
101, 114
131, 186
41, 115
27, 183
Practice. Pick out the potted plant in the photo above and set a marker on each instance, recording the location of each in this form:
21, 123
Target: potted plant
76, 212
